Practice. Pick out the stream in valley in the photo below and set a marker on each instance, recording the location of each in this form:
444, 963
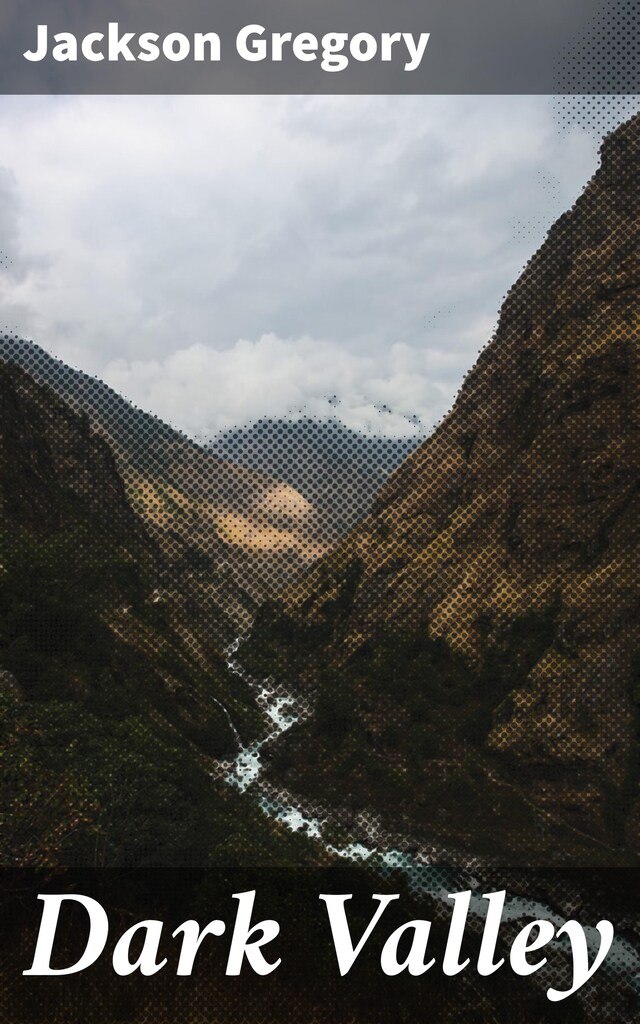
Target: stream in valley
426, 869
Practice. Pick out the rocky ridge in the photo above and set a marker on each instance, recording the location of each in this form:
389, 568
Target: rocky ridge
114, 696
478, 637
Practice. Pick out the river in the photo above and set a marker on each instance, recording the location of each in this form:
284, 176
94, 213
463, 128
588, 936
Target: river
423, 868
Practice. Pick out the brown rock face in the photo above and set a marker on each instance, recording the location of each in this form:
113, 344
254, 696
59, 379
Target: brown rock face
524, 503
73, 550
48, 452
235, 536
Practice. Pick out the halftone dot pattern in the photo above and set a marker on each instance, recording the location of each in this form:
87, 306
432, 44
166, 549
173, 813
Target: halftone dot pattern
508, 538
603, 59
259, 505
450, 658
598, 75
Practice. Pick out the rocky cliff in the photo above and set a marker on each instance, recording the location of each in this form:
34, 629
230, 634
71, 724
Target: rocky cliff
113, 698
234, 535
474, 644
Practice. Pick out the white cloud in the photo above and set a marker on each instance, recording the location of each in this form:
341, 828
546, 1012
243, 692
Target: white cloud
205, 390
150, 233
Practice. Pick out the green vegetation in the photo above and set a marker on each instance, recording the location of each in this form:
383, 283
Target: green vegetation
100, 790
107, 729
401, 727
428, 694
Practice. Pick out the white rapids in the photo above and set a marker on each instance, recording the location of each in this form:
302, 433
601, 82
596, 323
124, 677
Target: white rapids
423, 869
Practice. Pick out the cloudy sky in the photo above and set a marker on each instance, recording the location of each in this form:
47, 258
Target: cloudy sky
217, 259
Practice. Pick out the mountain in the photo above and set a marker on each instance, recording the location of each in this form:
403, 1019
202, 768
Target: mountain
112, 705
338, 470
233, 534
114, 699
474, 644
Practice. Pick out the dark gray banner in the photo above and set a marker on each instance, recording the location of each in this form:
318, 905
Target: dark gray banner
319, 46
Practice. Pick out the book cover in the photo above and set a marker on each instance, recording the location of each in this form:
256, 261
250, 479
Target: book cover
319, 479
